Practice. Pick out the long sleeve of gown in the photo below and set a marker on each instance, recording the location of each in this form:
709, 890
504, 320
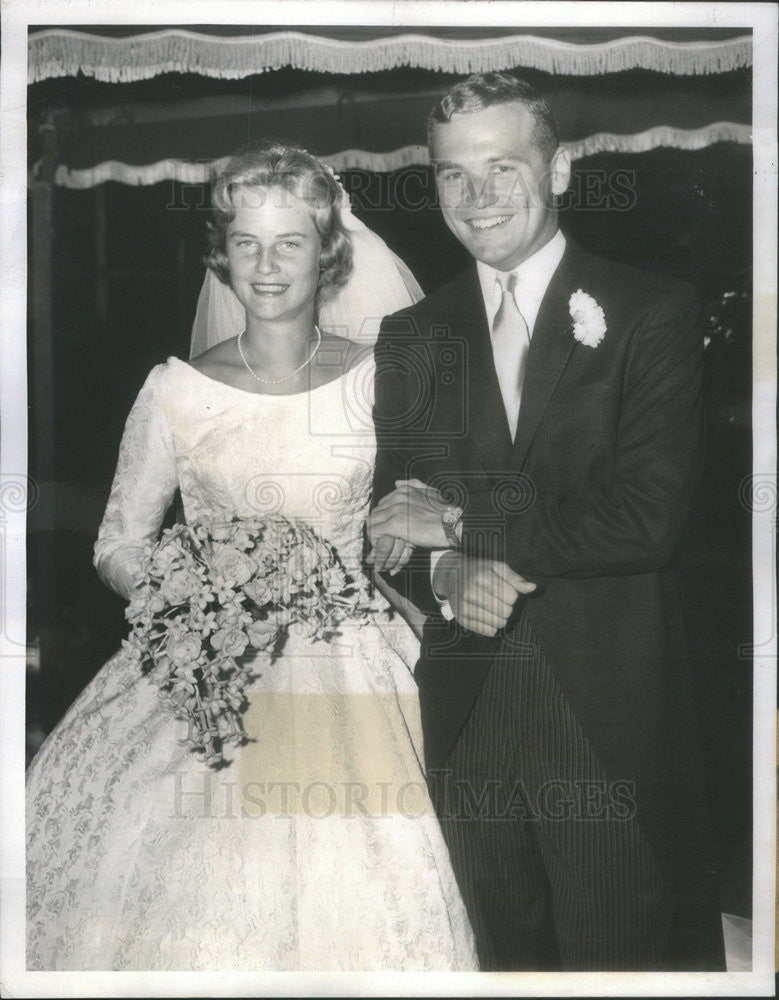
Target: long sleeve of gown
144, 484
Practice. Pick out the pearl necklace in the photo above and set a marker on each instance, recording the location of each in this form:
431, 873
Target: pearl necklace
275, 381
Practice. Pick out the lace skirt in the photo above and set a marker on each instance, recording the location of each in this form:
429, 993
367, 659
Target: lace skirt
315, 849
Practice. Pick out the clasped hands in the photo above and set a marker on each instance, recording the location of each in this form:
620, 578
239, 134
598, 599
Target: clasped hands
405, 518
481, 592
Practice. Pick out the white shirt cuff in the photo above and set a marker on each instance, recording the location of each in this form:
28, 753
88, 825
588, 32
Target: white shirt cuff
443, 604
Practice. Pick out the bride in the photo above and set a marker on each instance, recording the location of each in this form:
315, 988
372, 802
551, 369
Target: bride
317, 847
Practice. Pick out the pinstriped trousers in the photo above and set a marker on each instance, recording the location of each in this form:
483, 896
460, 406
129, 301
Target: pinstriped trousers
552, 864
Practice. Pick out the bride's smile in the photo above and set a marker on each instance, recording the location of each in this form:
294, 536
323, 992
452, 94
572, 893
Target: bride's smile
263, 288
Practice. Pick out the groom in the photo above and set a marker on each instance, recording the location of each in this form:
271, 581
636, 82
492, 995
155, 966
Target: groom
539, 430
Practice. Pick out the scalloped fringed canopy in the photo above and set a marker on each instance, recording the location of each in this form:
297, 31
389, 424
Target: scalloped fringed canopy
66, 52
171, 104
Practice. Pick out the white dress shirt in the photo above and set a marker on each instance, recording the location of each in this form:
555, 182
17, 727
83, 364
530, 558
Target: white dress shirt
533, 277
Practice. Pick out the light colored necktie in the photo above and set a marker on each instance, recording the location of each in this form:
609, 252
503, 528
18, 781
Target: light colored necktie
510, 344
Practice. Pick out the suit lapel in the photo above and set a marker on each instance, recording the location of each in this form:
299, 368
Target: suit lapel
550, 348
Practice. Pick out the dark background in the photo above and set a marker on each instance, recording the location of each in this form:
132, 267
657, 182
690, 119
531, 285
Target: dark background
125, 305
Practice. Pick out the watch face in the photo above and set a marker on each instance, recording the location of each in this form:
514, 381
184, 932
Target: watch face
451, 516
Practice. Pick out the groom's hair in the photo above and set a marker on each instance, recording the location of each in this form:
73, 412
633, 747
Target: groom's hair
483, 90
267, 167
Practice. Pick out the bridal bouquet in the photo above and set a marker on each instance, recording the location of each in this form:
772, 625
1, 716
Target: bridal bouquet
216, 594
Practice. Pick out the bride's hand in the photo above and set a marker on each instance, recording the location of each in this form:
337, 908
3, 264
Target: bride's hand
389, 554
412, 512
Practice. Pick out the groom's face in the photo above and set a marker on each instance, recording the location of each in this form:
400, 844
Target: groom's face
495, 185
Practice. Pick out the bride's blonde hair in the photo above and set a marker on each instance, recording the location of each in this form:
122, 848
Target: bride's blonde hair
284, 167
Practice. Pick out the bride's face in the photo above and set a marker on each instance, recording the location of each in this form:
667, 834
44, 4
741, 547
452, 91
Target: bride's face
273, 252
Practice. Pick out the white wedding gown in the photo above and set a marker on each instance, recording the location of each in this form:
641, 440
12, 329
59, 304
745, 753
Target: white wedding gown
317, 848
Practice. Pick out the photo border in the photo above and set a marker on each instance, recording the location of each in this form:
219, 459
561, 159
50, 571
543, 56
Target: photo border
17, 15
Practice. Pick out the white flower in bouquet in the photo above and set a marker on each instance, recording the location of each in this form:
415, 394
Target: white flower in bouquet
184, 649
230, 641
178, 586
262, 634
232, 566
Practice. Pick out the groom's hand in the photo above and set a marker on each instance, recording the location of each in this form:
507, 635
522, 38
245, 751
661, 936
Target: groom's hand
481, 592
411, 513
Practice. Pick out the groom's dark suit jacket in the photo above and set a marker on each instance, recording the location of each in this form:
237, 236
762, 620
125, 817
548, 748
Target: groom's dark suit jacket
590, 502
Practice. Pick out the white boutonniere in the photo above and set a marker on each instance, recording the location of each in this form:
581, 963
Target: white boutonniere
589, 321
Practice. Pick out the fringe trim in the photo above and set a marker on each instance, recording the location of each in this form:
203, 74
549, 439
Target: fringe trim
184, 172
64, 52
661, 135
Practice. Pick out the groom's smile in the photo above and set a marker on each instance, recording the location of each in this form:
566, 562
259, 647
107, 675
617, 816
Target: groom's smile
489, 223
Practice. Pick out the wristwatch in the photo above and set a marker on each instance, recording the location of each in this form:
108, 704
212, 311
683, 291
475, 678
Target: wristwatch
450, 520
